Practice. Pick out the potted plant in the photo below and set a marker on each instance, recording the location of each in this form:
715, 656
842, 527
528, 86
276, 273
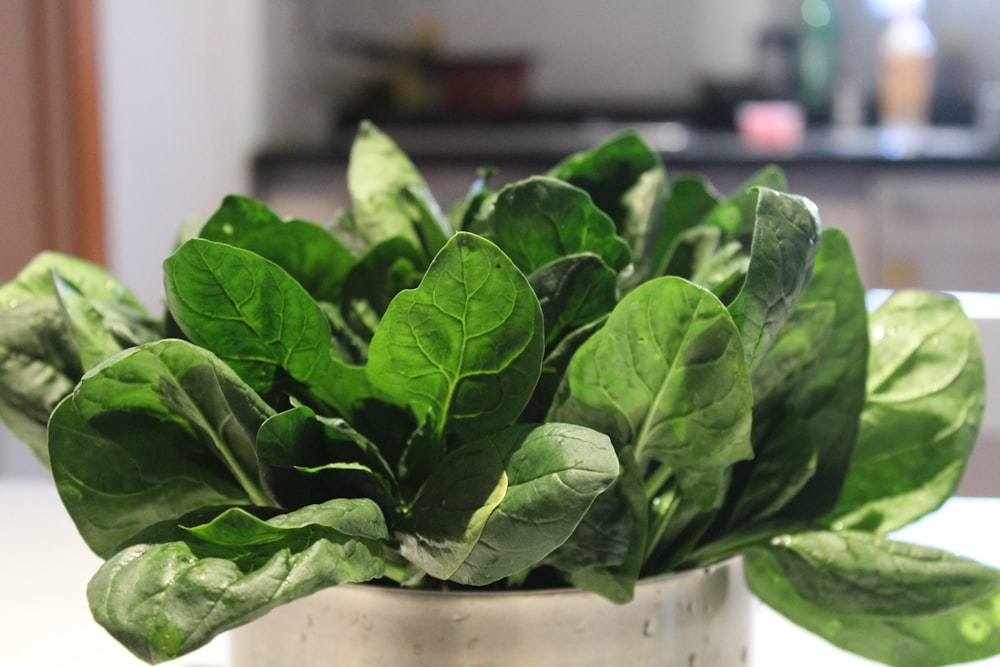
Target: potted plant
585, 379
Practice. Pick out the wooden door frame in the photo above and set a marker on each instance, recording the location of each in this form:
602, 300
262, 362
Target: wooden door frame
59, 200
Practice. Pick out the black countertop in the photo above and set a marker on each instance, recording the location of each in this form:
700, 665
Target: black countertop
546, 143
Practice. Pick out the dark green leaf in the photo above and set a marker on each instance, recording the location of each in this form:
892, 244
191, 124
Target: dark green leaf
164, 600
465, 347
249, 312
606, 552
963, 633
501, 504
307, 459
608, 171
643, 206
39, 366
155, 433
850, 572
736, 215
540, 220
573, 292
385, 270
554, 366
830, 393
309, 253
666, 374
689, 200
101, 329
925, 393
785, 242
784, 462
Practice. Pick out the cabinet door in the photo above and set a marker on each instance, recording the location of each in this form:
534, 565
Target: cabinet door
938, 231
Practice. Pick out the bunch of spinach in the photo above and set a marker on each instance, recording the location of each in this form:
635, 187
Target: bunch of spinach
586, 377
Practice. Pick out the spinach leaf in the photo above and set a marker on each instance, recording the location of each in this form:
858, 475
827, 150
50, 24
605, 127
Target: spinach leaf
957, 632
785, 242
643, 206
101, 329
848, 572
464, 348
58, 317
831, 393
608, 172
306, 459
309, 253
501, 504
385, 270
666, 374
40, 367
809, 390
162, 600
925, 392
197, 421
573, 292
540, 220
255, 317
384, 187
606, 552
35, 281
689, 200
554, 367
700, 255
737, 214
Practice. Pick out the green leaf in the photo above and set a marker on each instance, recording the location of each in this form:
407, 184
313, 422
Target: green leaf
666, 375
967, 632
164, 600
249, 312
737, 214
35, 281
196, 422
309, 253
785, 242
498, 505
573, 292
554, 367
605, 553
382, 180
463, 348
700, 255
385, 270
925, 396
39, 366
100, 329
784, 462
42, 339
809, 390
689, 200
830, 394
850, 572
643, 206
540, 220
307, 459
608, 172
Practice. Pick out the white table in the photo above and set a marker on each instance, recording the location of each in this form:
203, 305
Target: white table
44, 569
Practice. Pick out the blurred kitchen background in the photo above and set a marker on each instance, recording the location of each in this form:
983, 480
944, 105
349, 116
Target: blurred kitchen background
120, 119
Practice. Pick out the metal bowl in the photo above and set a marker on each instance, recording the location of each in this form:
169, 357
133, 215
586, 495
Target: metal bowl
699, 618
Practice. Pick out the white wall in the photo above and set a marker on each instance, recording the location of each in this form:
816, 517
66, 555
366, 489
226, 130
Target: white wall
181, 117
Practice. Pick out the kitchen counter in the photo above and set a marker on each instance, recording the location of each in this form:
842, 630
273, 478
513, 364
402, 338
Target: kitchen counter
678, 144
44, 569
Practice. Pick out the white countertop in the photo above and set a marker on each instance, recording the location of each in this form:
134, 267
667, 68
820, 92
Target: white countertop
45, 566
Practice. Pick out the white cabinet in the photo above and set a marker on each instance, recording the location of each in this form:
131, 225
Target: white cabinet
937, 229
